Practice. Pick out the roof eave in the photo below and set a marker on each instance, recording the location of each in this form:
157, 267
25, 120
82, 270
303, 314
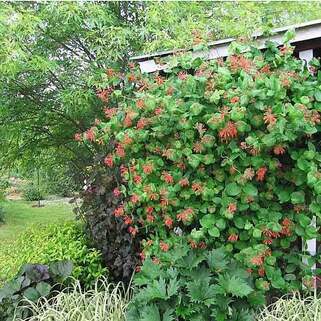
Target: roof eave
219, 48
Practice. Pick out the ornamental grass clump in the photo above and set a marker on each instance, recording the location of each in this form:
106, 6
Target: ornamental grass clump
105, 302
210, 154
296, 308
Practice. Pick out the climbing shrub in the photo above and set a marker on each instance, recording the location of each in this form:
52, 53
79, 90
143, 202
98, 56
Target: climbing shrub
215, 154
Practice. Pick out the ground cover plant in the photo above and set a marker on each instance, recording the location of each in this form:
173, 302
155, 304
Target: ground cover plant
43, 244
216, 154
32, 192
34, 281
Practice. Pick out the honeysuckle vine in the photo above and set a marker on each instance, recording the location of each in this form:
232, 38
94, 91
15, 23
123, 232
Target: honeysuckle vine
218, 154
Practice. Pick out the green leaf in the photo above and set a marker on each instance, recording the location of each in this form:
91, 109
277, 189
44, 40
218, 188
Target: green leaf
150, 312
232, 189
317, 95
289, 35
305, 100
250, 190
289, 277
256, 298
172, 288
217, 259
196, 290
214, 231
31, 294
303, 220
271, 260
207, 221
61, 269
221, 223
235, 285
257, 233
284, 195
168, 315
317, 187
159, 289
149, 272
304, 164
239, 222
43, 288
297, 197
196, 109
194, 160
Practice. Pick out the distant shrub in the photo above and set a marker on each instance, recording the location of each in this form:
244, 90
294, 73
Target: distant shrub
32, 193
60, 183
4, 184
2, 214
43, 244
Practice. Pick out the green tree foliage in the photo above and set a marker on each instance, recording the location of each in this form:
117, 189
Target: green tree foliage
173, 24
50, 53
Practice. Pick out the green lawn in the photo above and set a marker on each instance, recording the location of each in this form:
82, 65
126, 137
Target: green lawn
20, 214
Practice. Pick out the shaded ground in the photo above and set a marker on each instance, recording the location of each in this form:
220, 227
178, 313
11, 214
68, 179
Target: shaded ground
20, 214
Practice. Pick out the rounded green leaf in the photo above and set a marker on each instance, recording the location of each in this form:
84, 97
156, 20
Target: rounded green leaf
214, 231
232, 189
207, 221
31, 294
297, 197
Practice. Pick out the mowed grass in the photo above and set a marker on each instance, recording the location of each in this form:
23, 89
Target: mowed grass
19, 215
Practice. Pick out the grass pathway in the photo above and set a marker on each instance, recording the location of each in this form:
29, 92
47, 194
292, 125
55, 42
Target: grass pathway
19, 215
